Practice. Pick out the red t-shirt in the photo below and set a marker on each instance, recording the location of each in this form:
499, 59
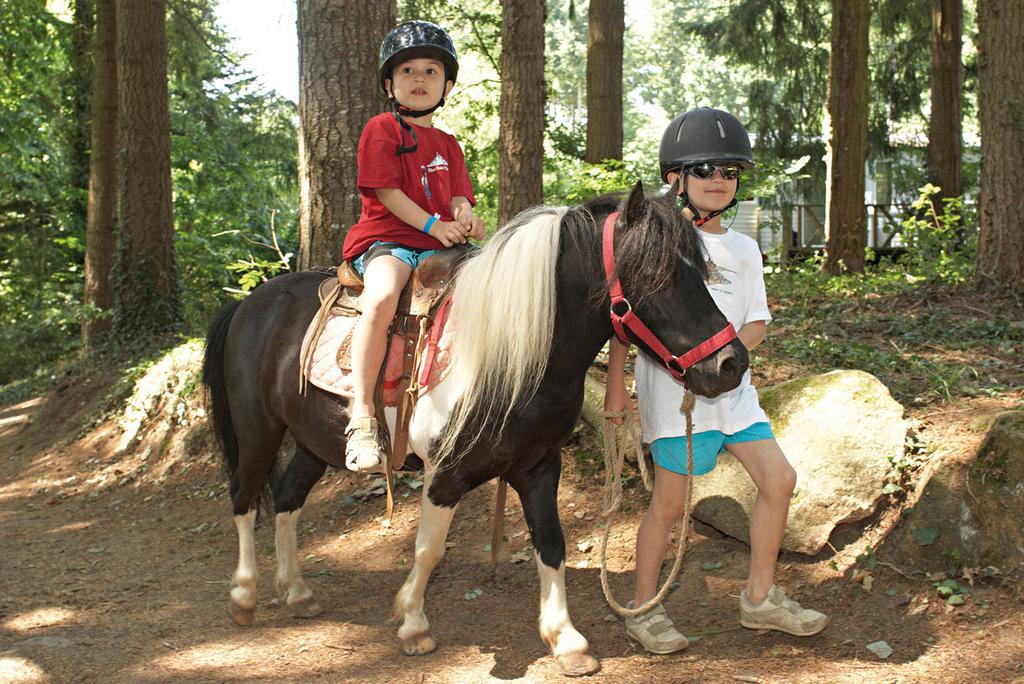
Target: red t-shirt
430, 176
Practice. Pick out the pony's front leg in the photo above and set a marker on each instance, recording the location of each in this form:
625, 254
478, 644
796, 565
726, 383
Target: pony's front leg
433, 530
538, 490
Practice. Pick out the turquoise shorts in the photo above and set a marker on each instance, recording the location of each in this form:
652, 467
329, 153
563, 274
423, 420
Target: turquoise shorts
409, 255
670, 452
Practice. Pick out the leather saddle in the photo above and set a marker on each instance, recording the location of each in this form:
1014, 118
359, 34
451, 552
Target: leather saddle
424, 294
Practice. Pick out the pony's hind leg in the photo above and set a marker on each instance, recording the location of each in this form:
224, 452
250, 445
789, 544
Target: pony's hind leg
435, 520
246, 576
538, 491
256, 453
290, 491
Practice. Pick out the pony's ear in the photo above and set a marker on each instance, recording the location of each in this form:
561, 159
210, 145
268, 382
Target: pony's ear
673, 192
635, 204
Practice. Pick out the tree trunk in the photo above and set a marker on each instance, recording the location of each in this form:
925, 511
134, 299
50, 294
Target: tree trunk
1001, 116
521, 138
604, 80
79, 86
339, 92
144, 277
845, 219
945, 135
100, 241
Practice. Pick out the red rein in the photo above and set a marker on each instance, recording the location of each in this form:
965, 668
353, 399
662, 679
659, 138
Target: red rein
677, 365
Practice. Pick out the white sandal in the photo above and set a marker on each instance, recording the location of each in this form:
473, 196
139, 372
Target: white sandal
364, 452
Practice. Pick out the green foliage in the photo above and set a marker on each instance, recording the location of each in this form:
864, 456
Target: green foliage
939, 244
233, 165
40, 248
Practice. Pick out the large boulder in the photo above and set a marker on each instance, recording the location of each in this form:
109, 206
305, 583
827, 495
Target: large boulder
970, 511
839, 430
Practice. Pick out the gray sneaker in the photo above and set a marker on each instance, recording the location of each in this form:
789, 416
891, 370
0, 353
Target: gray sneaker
780, 612
654, 631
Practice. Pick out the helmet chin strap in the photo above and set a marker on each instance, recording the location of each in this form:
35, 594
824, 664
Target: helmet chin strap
701, 220
400, 111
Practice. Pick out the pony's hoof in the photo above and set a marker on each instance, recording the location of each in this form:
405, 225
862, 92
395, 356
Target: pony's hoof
305, 609
243, 617
418, 644
577, 664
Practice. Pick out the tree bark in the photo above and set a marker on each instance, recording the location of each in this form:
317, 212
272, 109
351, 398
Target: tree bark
1001, 116
945, 134
100, 240
79, 84
145, 280
607, 26
339, 92
521, 140
845, 218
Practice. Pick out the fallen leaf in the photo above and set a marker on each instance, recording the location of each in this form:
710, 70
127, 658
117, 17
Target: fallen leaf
926, 535
712, 565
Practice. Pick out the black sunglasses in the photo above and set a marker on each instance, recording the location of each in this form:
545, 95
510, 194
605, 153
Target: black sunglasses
707, 170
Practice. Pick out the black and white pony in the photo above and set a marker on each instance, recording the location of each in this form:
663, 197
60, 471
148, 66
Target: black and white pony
531, 312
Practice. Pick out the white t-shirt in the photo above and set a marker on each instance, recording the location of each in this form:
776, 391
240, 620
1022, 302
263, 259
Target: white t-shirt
736, 283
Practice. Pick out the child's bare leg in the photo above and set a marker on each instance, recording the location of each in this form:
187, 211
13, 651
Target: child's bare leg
654, 629
775, 480
383, 281
652, 537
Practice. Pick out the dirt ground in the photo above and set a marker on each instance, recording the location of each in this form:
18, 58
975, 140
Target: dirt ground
114, 567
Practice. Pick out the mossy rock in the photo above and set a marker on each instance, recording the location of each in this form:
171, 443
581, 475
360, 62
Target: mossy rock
970, 513
841, 431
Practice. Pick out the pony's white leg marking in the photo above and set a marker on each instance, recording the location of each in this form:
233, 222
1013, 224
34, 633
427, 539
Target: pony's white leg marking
299, 597
415, 630
244, 581
431, 412
556, 627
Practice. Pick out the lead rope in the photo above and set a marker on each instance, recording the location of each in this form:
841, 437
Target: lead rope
613, 499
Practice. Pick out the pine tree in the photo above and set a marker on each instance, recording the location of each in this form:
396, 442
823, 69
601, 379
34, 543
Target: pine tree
1001, 115
607, 23
100, 236
145, 279
339, 91
521, 141
845, 218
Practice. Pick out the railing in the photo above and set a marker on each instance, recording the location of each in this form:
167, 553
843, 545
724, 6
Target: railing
806, 224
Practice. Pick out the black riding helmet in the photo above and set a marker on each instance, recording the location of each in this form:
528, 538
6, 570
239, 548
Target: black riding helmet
411, 40
701, 135
704, 135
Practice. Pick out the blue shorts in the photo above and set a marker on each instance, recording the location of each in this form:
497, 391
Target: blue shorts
670, 452
410, 255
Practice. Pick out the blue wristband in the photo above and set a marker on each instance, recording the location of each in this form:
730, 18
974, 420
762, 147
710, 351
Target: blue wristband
430, 222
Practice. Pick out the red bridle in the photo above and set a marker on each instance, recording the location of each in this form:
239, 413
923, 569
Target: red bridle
677, 365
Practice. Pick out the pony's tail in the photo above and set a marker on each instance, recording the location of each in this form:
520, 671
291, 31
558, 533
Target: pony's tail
217, 387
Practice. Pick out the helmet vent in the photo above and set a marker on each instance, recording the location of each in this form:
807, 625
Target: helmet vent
721, 131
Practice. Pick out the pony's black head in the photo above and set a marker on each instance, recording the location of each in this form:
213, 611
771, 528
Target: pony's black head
660, 261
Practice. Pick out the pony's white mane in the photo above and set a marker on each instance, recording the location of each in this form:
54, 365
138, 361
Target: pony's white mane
503, 310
